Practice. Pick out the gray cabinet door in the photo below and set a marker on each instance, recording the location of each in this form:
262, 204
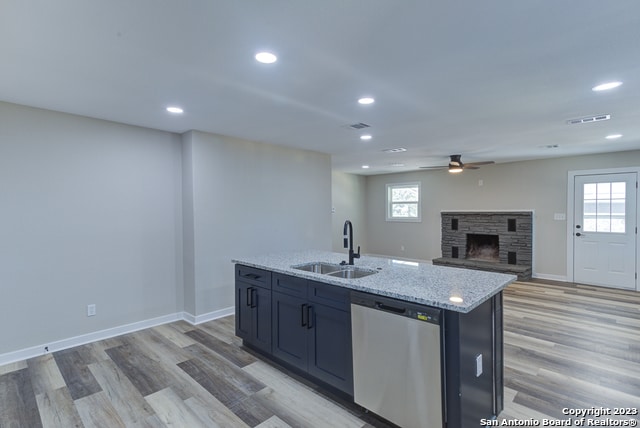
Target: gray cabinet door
289, 325
243, 310
253, 311
261, 337
330, 356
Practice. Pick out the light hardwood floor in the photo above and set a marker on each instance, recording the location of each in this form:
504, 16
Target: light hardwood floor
566, 346
570, 346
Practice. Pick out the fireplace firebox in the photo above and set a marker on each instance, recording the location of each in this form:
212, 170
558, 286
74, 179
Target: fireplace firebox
483, 247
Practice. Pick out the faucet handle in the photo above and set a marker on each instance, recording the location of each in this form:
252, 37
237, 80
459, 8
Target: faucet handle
357, 255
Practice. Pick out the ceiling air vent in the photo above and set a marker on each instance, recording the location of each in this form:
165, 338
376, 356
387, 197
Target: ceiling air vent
589, 119
396, 150
359, 125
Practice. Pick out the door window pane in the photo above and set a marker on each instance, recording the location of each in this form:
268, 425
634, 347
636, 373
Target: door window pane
590, 191
618, 190
617, 225
589, 224
604, 190
603, 208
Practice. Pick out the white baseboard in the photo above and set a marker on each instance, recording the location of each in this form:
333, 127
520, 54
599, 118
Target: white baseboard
561, 278
199, 319
35, 351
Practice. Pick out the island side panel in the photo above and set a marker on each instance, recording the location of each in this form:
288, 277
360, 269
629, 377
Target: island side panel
498, 346
473, 355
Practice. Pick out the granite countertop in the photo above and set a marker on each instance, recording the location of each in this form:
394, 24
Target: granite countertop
421, 283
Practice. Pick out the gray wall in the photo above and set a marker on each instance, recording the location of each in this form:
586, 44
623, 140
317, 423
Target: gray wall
88, 216
141, 223
348, 192
251, 198
539, 185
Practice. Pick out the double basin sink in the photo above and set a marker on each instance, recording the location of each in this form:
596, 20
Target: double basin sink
335, 270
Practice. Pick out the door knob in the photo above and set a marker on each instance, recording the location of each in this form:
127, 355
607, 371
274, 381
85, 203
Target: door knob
578, 234
577, 226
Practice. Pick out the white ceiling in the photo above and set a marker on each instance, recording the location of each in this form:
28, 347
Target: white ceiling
492, 79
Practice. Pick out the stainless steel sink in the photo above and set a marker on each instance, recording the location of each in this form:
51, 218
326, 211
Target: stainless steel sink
336, 270
318, 267
352, 273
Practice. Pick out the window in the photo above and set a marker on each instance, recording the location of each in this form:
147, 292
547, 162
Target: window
604, 207
403, 202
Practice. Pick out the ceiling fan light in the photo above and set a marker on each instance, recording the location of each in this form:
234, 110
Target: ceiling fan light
455, 169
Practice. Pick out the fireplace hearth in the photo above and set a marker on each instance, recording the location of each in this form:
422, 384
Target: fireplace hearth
495, 241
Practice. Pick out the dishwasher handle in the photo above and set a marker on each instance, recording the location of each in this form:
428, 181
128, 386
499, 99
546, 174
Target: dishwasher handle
389, 308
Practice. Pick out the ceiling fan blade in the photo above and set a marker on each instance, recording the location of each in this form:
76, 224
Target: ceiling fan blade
470, 166
434, 167
479, 163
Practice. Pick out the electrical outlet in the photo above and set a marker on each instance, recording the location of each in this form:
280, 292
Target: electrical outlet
91, 310
401, 247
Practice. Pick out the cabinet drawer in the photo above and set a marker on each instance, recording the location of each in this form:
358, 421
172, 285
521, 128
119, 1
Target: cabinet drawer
291, 285
253, 276
329, 295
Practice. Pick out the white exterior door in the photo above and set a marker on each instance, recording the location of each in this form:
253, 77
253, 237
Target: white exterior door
604, 234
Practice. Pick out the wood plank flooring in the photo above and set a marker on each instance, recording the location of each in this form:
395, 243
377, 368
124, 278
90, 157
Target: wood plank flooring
570, 346
566, 345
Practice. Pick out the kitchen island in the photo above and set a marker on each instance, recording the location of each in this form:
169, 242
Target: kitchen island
310, 322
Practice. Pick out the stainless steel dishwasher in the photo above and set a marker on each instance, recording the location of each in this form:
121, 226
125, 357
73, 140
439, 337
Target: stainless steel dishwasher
397, 360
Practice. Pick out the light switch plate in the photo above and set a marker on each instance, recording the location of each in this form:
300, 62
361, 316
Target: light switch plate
559, 216
478, 365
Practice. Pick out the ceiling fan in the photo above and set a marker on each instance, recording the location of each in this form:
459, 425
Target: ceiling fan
456, 165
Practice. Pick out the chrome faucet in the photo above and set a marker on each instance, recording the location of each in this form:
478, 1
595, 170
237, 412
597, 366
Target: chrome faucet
348, 242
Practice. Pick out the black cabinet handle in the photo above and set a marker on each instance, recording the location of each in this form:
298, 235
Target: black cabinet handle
248, 296
303, 314
254, 298
251, 276
309, 316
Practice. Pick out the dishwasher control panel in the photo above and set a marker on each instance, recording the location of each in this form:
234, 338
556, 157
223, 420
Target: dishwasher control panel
397, 307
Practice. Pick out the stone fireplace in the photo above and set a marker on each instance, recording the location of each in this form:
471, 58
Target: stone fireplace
498, 241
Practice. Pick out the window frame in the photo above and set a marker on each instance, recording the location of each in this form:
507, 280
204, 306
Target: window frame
390, 203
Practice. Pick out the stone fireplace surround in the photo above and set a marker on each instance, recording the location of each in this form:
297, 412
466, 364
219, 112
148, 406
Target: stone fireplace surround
514, 233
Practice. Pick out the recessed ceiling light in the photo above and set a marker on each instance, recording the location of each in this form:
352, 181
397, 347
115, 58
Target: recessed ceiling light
365, 166
366, 100
365, 137
613, 136
606, 86
175, 110
397, 165
266, 57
